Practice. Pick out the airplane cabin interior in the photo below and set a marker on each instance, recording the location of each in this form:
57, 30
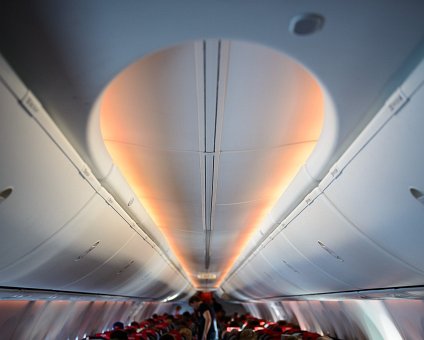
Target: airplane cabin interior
266, 155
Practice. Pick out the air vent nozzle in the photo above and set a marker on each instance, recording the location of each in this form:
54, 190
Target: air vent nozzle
417, 194
4, 194
306, 24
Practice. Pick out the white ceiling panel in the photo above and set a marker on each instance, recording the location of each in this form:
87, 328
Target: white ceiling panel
187, 237
259, 174
160, 174
271, 100
185, 191
178, 215
239, 216
154, 102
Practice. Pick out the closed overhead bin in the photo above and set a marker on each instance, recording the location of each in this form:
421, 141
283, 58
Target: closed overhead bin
41, 190
85, 243
381, 190
298, 269
326, 239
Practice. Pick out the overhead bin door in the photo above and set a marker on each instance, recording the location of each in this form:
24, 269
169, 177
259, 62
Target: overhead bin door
40, 190
248, 283
87, 241
326, 239
136, 270
161, 281
381, 190
269, 282
299, 270
116, 274
233, 287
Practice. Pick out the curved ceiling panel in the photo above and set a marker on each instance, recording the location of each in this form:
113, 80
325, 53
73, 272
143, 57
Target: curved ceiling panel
209, 134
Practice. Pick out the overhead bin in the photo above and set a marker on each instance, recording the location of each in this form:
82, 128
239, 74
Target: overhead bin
243, 284
129, 263
272, 282
234, 290
326, 239
136, 270
298, 269
41, 189
160, 281
85, 243
62, 230
381, 189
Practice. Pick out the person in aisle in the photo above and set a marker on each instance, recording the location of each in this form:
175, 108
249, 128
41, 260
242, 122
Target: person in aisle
207, 328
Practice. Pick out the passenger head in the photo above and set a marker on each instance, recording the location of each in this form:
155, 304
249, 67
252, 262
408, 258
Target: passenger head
118, 325
281, 322
248, 334
253, 323
186, 333
194, 302
135, 324
187, 315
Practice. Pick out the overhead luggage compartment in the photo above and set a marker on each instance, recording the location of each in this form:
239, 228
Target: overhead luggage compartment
298, 269
381, 190
268, 281
326, 239
40, 189
136, 270
240, 288
61, 230
86, 242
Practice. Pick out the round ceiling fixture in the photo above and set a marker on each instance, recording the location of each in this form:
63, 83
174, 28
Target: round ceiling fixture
306, 24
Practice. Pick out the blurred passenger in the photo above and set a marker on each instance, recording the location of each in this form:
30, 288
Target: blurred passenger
118, 332
207, 329
167, 336
135, 324
186, 333
118, 325
248, 334
177, 313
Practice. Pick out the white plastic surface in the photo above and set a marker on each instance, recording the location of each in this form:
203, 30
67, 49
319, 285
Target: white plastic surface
116, 184
10, 80
374, 190
47, 190
246, 282
345, 253
128, 264
298, 270
136, 270
415, 80
270, 276
87, 241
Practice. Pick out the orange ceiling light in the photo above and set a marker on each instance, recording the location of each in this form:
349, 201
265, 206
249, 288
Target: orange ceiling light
151, 123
